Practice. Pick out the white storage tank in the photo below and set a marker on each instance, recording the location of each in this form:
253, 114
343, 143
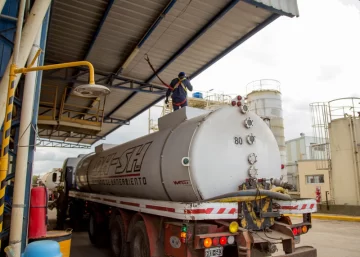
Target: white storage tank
195, 155
264, 98
344, 135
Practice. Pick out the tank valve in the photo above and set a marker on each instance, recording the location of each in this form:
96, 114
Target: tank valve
249, 123
252, 172
280, 183
244, 108
252, 158
250, 139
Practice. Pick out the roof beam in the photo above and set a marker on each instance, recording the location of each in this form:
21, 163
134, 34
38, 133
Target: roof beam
192, 40
236, 44
144, 38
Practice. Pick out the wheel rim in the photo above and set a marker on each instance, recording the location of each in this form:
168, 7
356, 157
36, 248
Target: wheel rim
138, 246
115, 241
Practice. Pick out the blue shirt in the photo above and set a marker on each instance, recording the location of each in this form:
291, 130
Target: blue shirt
179, 94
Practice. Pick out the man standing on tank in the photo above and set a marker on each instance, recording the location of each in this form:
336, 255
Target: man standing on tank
178, 88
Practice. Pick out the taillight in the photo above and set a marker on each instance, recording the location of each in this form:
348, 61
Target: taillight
297, 231
207, 242
282, 166
233, 103
239, 97
183, 234
215, 241
238, 104
223, 240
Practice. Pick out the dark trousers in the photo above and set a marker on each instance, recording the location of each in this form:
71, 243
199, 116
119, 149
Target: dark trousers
176, 107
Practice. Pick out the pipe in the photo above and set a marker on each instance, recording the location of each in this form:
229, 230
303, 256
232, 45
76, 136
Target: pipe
4, 161
355, 159
356, 152
2, 3
252, 193
61, 66
16, 228
32, 26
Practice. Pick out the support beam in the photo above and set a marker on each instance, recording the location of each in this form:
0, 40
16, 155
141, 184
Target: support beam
236, 44
192, 40
147, 34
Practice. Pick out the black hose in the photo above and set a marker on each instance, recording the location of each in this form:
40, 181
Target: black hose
252, 192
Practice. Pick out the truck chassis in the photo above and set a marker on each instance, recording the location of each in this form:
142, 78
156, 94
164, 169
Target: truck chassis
148, 228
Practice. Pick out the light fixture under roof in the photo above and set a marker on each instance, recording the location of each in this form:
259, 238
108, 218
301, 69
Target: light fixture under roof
91, 90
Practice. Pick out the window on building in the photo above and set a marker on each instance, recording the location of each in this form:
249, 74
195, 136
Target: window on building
313, 179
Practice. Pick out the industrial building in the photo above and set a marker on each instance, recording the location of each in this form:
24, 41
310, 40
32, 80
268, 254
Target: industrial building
330, 158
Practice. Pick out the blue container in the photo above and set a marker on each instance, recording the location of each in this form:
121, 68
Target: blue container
198, 95
44, 248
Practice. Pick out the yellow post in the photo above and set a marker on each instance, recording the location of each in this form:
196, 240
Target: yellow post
4, 159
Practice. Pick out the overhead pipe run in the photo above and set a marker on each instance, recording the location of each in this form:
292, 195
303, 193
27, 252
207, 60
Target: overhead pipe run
29, 32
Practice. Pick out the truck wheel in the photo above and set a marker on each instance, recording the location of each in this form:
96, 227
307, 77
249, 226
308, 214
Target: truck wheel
98, 233
139, 241
119, 246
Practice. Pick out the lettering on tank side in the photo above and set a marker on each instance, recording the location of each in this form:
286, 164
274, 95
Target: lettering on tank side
124, 168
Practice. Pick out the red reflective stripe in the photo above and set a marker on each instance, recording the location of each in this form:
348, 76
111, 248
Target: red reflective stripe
221, 211
131, 204
232, 211
289, 207
303, 206
312, 206
160, 208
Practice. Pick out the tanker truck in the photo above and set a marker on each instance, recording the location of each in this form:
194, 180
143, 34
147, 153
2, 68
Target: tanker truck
206, 184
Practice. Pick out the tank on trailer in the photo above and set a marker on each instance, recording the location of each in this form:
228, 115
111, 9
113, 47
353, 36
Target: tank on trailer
196, 155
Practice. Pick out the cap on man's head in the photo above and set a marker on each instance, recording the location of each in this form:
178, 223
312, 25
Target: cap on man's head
182, 74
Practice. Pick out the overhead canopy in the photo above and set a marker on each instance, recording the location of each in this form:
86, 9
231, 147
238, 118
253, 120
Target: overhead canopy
183, 35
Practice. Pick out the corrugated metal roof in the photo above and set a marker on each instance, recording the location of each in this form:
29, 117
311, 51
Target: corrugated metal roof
182, 35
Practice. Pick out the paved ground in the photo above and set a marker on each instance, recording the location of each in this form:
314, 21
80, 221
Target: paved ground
331, 238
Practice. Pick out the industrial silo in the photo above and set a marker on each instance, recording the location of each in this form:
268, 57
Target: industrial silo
344, 134
264, 98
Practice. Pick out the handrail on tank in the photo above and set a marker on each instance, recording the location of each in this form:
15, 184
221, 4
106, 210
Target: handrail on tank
263, 84
349, 108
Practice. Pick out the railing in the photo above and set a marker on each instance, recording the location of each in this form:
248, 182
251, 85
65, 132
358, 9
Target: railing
88, 115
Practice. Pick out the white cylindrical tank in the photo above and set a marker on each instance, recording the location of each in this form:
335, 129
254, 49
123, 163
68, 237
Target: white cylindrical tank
344, 137
51, 179
188, 159
264, 98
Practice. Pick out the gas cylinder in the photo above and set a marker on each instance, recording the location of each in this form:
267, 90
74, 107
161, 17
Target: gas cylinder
38, 212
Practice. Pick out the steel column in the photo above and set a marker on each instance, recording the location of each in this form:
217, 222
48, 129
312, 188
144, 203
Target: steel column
32, 140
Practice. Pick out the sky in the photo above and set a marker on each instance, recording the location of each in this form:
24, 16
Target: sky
315, 57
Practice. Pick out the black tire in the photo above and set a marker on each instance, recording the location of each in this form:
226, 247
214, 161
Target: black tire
139, 241
119, 246
98, 233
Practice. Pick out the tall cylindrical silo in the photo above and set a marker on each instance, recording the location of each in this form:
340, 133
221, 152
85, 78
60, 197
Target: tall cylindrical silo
264, 98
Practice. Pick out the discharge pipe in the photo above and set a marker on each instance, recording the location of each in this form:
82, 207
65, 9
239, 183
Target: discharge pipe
29, 32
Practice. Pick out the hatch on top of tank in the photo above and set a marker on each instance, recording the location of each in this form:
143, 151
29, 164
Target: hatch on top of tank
177, 117
103, 147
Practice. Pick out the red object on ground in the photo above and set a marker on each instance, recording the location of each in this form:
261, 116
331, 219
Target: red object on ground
38, 213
